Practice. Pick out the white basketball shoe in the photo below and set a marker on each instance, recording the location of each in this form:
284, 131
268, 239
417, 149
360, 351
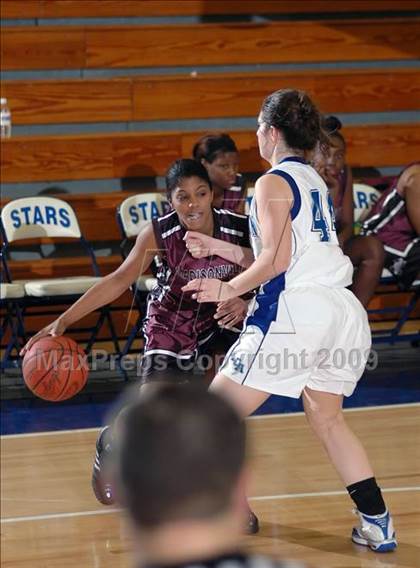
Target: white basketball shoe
375, 531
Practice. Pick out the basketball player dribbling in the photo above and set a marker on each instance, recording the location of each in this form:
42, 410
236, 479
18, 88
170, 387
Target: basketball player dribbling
176, 328
303, 306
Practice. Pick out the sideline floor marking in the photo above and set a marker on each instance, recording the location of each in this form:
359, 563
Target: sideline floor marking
9, 520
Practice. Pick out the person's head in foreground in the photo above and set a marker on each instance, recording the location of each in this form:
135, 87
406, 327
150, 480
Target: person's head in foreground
181, 473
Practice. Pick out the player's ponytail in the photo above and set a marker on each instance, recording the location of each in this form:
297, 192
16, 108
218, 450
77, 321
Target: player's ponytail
296, 116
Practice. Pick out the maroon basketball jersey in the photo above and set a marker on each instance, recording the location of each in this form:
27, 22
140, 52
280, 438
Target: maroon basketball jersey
175, 324
234, 196
388, 220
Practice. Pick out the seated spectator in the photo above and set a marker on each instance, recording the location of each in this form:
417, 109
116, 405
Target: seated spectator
220, 157
395, 220
366, 253
181, 469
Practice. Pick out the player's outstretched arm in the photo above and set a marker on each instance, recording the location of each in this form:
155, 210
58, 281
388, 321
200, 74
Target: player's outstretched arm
107, 289
274, 202
201, 246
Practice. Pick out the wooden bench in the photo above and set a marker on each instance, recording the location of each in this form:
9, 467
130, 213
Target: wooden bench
125, 8
216, 95
73, 47
101, 156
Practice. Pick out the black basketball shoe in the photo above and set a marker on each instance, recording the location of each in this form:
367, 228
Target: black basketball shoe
101, 484
252, 525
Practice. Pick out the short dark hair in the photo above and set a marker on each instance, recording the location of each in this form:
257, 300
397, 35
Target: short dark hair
296, 116
210, 146
184, 168
181, 451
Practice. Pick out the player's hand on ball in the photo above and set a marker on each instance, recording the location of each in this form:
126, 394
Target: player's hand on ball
209, 290
198, 245
55, 328
231, 312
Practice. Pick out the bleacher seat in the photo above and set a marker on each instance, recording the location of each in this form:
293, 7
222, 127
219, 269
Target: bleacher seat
141, 154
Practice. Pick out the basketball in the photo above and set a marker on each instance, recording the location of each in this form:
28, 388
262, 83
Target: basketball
55, 368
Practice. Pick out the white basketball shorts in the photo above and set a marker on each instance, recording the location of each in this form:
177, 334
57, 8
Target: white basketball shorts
320, 339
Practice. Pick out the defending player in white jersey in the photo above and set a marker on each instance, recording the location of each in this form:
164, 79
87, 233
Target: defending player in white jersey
303, 314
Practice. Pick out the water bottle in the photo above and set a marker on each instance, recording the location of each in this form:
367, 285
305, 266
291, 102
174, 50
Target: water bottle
5, 120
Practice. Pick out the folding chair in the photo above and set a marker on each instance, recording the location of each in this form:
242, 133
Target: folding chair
132, 215
12, 322
52, 218
364, 196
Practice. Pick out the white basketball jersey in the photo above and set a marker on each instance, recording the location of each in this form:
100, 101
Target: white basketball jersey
316, 256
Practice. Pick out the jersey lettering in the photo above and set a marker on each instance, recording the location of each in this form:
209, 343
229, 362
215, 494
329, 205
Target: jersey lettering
319, 223
331, 210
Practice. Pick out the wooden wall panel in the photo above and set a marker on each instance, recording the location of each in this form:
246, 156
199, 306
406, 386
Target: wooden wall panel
210, 44
35, 158
382, 144
119, 8
40, 158
20, 9
87, 156
62, 101
49, 48
97, 214
280, 42
206, 95
145, 154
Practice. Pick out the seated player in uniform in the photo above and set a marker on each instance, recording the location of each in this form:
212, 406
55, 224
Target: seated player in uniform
366, 253
176, 327
181, 469
219, 155
395, 220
